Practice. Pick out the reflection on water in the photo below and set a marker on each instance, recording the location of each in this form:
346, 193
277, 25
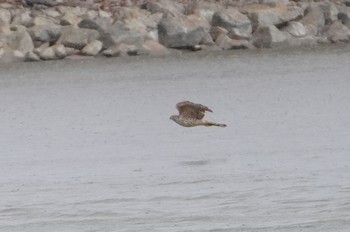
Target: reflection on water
88, 146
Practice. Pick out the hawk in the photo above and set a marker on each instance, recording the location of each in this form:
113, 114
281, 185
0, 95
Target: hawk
192, 114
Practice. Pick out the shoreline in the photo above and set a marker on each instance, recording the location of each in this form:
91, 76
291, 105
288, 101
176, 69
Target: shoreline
167, 28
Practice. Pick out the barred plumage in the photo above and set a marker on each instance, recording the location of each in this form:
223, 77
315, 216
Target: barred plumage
192, 114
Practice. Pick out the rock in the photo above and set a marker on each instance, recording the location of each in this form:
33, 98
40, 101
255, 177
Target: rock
217, 31
7, 54
165, 7
237, 24
92, 48
181, 31
337, 32
70, 19
226, 43
31, 56
60, 51
313, 21
275, 3
120, 32
99, 24
269, 36
5, 16
344, 15
330, 12
19, 39
48, 54
22, 18
155, 49
91, 14
120, 50
104, 14
205, 9
78, 11
51, 13
295, 29
46, 21
77, 37
41, 2
41, 48
274, 16
55, 52
45, 33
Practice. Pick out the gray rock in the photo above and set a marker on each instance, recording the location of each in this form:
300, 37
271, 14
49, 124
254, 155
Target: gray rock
5, 16
237, 24
120, 32
7, 54
41, 2
314, 20
165, 7
344, 15
99, 24
31, 56
269, 36
44, 20
330, 12
22, 17
337, 32
51, 12
45, 33
48, 54
274, 16
295, 29
78, 11
60, 51
181, 31
70, 19
41, 48
92, 48
19, 39
77, 37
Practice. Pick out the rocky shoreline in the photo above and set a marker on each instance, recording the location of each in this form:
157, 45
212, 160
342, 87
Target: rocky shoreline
43, 31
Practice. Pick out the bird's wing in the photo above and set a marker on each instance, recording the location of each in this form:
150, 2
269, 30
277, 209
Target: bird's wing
192, 110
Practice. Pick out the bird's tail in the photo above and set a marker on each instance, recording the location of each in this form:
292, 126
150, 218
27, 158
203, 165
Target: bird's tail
214, 124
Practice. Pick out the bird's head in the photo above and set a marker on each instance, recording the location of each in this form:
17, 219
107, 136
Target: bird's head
174, 117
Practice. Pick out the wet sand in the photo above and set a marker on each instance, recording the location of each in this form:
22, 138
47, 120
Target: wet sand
88, 145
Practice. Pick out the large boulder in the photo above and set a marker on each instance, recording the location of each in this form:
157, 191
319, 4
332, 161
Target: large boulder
45, 20
344, 15
313, 20
182, 31
121, 32
237, 24
269, 36
337, 32
19, 39
45, 33
273, 16
77, 38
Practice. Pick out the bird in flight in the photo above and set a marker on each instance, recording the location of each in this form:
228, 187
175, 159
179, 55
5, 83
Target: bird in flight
192, 114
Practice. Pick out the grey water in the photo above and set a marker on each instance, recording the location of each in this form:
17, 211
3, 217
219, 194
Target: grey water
88, 145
